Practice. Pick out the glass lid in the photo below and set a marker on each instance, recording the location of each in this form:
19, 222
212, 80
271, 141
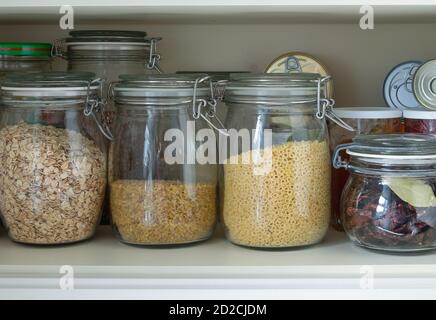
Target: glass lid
160, 85
107, 36
287, 87
47, 80
49, 84
394, 146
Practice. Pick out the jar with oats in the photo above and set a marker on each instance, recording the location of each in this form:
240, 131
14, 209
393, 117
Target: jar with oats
53, 172
162, 162
276, 185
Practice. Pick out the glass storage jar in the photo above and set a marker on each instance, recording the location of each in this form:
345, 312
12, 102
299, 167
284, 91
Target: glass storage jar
364, 121
108, 54
420, 121
24, 57
389, 200
53, 172
161, 192
277, 182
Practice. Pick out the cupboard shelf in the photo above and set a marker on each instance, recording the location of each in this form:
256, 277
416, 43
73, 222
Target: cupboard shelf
213, 11
104, 267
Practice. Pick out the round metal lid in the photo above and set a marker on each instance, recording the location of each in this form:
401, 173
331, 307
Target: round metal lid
424, 85
368, 113
398, 86
292, 62
394, 146
25, 49
159, 85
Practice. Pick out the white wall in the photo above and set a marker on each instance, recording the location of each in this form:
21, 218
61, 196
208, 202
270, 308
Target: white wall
358, 60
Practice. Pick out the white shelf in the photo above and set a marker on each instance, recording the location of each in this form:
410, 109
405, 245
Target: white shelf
103, 267
214, 11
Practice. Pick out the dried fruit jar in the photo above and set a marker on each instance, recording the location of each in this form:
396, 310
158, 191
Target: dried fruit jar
53, 172
283, 201
363, 121
24, 57
160, 192
389, 201
420, 121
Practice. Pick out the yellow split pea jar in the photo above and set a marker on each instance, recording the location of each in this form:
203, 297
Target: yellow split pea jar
159, 193
276, 190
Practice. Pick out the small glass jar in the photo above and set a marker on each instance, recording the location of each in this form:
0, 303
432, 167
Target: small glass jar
389, 200
160, 192
276, 185
53, 172
420, 121
363, 121
23, 57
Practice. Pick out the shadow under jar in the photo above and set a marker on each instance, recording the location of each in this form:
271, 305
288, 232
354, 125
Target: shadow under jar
389, 200
161, 191
53, 172
284, 199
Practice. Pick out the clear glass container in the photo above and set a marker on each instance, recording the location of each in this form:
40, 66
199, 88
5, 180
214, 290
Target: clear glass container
276, 188
363, 121
420, 121
24, 57
53, 172
161, 193
109, 54
389, 200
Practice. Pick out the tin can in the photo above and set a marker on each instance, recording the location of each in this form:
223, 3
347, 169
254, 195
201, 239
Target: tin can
300, 62
424, 85
398, 86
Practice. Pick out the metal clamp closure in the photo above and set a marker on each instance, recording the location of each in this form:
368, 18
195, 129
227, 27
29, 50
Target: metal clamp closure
154, 57
325, 105
338, 162
57, 49
96, 105
211, 103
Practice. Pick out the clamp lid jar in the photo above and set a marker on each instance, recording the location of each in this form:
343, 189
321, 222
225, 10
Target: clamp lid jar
24, 57
282, 199
389, 201
53, 177
162, 185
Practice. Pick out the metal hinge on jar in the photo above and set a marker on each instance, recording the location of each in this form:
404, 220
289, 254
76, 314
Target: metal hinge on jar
210, 103
96, 105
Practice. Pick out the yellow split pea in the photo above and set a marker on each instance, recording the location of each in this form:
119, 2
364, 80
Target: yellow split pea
288, 207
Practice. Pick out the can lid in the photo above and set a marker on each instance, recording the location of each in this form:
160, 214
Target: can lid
25, 49
424, 85
368, 113
293, 62
419, 114
398, 86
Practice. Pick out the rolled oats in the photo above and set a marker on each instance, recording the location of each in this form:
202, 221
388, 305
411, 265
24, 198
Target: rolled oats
52, 183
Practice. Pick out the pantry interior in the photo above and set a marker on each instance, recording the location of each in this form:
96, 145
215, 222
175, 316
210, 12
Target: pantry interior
232, 36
